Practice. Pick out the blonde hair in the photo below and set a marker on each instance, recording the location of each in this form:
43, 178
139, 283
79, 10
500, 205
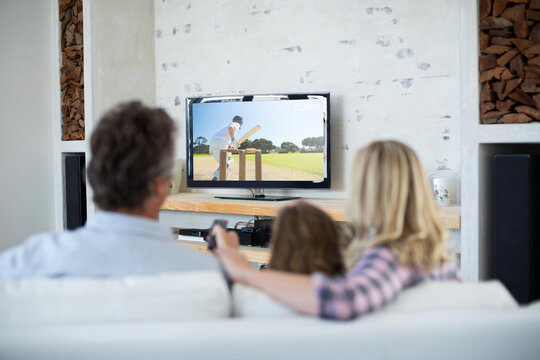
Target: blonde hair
304, 240
391, 205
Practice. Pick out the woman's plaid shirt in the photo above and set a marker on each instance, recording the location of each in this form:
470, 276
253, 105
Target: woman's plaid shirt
375, 281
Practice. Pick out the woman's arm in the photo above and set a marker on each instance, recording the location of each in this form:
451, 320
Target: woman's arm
373, 283
293, 290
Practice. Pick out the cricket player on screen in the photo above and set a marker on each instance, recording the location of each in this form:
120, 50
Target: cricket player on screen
223, 139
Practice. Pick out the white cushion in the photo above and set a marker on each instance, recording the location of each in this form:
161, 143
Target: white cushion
167, 297
534, 306
451, 295
428, 296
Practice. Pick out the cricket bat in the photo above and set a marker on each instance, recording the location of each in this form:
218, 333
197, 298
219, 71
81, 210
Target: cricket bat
248, 134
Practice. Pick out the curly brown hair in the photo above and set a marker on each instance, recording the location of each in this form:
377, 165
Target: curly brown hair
304, 240
131, 146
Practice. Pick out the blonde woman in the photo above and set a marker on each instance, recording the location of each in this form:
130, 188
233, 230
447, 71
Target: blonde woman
400, 242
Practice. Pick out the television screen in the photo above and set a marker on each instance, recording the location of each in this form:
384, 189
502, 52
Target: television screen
258, 141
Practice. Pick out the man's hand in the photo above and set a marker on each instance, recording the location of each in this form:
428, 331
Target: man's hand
234, 145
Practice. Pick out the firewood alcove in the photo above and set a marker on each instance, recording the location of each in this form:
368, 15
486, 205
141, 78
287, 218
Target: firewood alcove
509, 61
72, 72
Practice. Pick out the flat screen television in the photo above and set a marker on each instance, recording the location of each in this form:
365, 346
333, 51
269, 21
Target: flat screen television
258, 141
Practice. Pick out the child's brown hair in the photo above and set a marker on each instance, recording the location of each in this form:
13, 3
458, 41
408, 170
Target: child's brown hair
304, 240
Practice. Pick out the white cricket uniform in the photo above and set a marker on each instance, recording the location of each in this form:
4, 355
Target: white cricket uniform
222, 140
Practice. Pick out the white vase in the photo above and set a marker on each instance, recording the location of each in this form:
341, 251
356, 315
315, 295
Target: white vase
445, 186
442, 191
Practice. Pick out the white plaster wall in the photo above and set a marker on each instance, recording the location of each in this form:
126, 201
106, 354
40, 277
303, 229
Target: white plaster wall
119, 60
122, 51
392, 67
26, 124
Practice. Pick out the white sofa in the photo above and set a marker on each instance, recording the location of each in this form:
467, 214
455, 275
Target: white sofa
188, 316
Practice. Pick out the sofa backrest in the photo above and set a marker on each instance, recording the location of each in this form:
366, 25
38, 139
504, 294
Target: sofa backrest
452, 295
198, 295
428, 296
167, 297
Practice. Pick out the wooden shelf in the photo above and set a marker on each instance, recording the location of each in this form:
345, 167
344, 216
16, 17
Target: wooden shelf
253, 254
207, 203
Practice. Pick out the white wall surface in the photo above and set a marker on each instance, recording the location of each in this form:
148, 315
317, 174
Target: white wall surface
392, 67
122, 51
26, 126
119, 60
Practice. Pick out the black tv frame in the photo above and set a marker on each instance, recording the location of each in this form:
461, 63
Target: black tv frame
252, 184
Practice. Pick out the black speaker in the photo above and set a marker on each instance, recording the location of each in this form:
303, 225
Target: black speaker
262, 232
245, 236
74, 190
516, 224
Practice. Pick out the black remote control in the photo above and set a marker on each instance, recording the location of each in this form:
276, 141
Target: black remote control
211, 238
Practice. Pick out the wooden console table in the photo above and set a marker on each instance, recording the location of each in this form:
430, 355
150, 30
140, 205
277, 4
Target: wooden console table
207, 203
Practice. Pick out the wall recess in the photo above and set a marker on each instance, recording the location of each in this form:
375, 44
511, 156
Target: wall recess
509, 61
72, 69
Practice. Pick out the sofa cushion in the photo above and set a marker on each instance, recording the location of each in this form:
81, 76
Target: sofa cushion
534, 306
428, 296
166, 297
451, 295
449, 335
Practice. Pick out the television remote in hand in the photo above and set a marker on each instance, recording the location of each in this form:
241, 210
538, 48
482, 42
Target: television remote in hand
211, 238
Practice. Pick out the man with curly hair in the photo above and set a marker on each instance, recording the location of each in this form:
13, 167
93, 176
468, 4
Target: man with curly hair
130, 169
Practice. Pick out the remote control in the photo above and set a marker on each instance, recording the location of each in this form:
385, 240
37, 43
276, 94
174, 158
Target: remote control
211, 238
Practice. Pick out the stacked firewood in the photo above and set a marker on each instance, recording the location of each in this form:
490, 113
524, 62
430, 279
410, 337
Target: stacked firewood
509, 61
72, 73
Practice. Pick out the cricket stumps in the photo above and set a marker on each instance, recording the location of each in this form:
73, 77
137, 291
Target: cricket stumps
242, 163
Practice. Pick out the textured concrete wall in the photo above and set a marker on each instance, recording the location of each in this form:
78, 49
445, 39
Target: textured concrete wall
392, 67
122, 53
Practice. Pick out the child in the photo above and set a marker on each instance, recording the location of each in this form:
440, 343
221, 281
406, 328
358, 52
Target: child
400, 242
305, 240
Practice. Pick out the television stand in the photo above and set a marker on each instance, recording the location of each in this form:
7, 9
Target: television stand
257, 194
336, 208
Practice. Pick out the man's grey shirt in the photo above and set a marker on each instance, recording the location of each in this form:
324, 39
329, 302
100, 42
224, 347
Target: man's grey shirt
109, 245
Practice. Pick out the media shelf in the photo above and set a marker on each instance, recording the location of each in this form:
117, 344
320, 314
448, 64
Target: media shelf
252, 253
336, 208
